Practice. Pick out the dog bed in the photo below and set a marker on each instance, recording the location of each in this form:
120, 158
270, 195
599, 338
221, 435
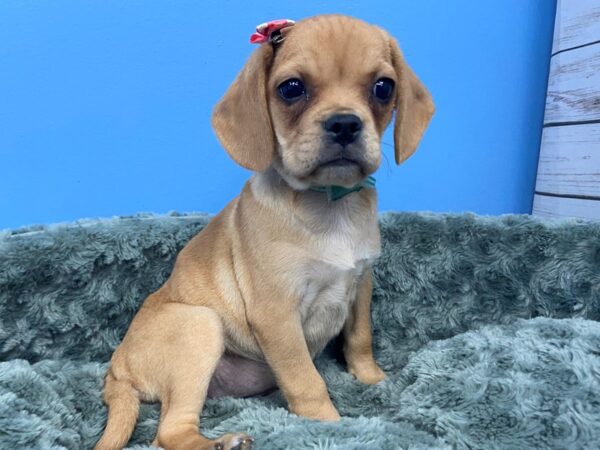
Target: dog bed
485, 326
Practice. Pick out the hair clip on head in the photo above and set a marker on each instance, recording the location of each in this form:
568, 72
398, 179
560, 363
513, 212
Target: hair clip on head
270, 31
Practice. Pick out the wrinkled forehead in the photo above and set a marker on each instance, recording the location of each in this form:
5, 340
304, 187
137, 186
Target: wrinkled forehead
332, 47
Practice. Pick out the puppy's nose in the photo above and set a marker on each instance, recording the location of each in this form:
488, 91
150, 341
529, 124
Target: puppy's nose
344, 128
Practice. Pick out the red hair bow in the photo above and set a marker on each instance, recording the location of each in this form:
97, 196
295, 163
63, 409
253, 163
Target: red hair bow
265, 30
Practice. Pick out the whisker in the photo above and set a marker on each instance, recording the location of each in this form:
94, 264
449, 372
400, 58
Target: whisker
387, 161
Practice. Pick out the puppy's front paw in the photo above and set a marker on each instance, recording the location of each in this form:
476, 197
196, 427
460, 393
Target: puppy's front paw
328, 415
323, 410
368, 373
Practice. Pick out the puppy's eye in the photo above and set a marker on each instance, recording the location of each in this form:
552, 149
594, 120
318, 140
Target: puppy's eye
292, 89
383, 89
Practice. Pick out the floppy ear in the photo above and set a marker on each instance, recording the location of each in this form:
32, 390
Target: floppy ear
414, 107
241, 118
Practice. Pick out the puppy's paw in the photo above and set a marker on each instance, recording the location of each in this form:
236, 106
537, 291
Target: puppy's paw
330, 415
367, 373
324, 411
233, 441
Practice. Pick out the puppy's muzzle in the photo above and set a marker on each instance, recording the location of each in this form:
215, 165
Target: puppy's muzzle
343, 129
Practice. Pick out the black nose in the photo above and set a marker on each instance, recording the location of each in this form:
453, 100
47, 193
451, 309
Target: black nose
344, 128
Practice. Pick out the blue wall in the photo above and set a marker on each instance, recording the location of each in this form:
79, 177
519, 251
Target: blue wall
105, 104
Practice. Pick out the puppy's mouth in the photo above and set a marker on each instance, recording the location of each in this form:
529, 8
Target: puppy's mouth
340, 170
342, 161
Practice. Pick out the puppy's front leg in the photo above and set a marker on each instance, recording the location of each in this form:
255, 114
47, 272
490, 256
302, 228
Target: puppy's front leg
281, 338
358, 339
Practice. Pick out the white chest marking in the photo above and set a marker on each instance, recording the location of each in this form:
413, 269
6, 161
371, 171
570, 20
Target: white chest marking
328, 288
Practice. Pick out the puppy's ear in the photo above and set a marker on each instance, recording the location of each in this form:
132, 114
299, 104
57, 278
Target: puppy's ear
414, 107
242, 120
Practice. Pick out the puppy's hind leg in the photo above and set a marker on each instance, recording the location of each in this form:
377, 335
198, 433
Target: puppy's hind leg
190, 350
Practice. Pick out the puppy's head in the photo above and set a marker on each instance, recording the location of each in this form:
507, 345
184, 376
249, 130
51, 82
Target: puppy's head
316, 105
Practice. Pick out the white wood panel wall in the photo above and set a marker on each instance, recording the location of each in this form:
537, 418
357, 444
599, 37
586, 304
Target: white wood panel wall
568, 179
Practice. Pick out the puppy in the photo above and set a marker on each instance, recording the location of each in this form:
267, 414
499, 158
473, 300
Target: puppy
286, 266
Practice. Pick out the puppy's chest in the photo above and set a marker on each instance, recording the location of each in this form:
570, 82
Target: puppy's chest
329, 285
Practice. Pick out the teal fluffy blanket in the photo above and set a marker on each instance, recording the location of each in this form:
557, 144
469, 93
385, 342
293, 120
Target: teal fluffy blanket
486, 327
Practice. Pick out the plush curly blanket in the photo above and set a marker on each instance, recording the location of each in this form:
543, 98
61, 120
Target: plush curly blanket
486, 327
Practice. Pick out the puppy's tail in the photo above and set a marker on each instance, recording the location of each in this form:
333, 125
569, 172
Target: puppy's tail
123, 404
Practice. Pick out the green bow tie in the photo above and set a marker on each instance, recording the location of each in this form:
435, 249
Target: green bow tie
336, 192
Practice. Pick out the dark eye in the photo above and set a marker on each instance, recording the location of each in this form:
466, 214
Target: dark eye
291, 90
383, 89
